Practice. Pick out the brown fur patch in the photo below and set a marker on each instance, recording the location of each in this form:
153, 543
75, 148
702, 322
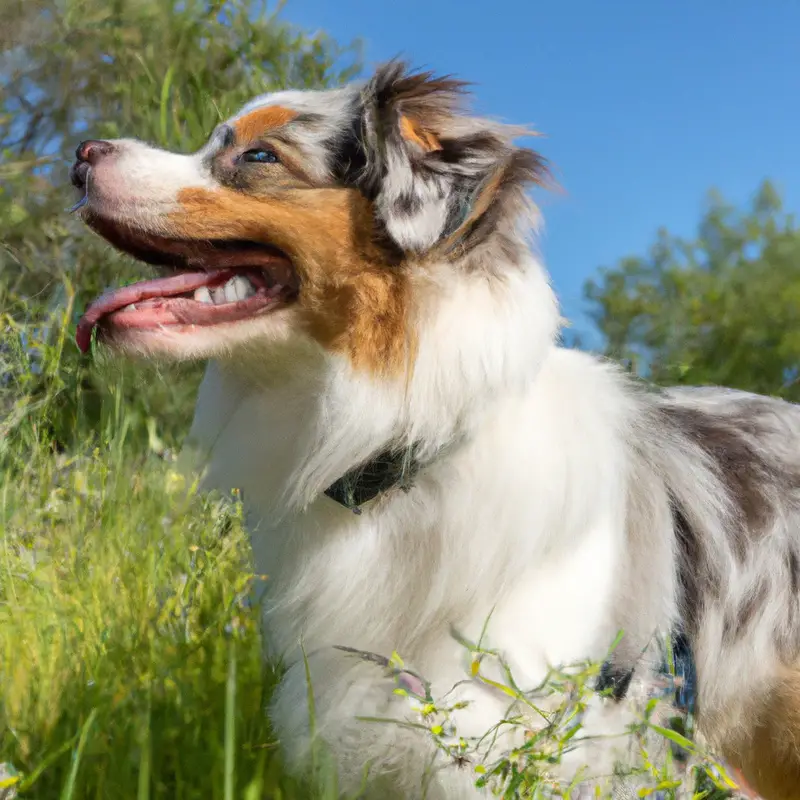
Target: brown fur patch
412, 131
352, 299
255, 124
769, 759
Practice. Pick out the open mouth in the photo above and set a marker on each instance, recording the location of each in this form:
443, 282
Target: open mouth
207, 283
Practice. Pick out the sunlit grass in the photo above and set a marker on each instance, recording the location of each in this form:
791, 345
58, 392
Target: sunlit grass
131, 665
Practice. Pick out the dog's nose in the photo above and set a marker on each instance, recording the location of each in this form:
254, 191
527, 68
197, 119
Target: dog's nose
88, 153
92, 150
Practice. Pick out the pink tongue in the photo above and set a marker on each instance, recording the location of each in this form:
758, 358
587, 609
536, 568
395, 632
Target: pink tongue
116, 299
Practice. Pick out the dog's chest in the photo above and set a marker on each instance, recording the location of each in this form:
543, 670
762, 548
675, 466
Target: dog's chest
497, 536
401, 581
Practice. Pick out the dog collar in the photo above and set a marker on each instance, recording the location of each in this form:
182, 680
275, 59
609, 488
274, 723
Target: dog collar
392, 468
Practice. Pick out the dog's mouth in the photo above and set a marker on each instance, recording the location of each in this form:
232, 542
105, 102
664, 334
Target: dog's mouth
206, 283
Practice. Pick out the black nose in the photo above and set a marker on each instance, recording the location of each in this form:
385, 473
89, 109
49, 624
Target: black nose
88, 153
92, 150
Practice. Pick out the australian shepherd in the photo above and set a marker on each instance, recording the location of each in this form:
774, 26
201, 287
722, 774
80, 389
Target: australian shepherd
420, 461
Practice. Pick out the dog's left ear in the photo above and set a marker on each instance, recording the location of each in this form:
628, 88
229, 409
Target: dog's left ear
437, 177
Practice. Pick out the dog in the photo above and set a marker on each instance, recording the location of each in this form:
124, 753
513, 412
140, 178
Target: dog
420, 461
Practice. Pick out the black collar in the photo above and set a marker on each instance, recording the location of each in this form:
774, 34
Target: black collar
391, 468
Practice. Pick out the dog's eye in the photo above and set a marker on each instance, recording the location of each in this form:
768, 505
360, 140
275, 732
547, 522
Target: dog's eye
260, 156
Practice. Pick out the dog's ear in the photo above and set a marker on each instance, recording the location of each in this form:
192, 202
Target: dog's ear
438, 178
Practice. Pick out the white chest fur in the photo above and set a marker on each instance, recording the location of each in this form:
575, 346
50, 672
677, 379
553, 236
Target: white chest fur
497, 529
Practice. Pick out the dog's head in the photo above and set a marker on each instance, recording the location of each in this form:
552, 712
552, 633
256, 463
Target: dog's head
310, 214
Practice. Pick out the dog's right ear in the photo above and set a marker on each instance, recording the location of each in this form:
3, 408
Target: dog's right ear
434, 175
402, 116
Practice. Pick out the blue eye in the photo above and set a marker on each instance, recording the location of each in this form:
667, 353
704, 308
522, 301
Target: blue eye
260, 156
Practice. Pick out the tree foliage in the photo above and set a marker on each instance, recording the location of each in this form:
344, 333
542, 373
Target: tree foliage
722, 308
166, 71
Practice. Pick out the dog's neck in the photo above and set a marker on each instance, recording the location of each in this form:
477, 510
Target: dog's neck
304, 420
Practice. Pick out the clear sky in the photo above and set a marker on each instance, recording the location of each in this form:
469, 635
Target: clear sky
645, 104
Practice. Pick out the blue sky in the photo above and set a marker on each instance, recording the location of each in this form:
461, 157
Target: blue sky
645, 104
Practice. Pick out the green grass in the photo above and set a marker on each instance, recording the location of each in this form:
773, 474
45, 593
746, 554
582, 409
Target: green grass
130, 664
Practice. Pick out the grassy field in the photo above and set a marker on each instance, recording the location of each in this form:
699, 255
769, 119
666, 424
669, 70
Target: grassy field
130, 664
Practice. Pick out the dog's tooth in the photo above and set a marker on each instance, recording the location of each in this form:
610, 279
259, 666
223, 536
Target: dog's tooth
238, 288
218, 295
130, 307
246, 288
202, 295
230, 291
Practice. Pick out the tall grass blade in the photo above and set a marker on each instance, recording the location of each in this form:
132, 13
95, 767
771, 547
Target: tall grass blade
230, 722
164, 105
143, 789
69, 787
